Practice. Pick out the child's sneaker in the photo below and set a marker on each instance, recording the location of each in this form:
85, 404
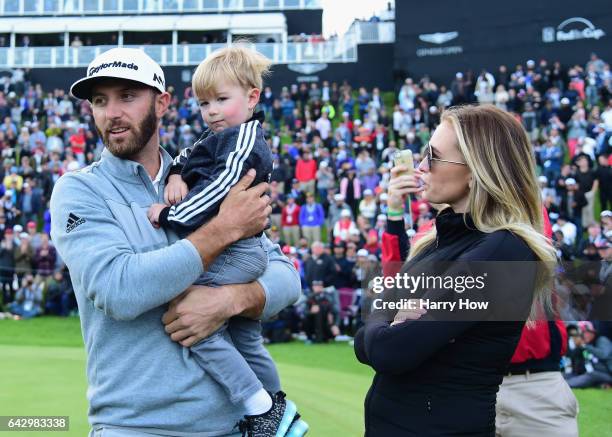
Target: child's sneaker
273, 423
298, 427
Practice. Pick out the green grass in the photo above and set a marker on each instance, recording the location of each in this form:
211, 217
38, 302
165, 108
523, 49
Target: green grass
43, 373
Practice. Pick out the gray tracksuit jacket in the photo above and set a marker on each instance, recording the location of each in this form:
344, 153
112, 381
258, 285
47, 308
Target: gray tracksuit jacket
124, 272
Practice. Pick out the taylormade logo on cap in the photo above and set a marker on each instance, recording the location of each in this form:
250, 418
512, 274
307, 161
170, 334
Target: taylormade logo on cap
116, 64
120, 63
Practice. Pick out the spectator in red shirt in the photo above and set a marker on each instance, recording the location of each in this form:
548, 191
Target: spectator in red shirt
306, 172
290, 221
77, 143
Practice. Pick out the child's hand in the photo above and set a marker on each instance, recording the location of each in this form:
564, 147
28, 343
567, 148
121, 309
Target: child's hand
154, 212
175, 190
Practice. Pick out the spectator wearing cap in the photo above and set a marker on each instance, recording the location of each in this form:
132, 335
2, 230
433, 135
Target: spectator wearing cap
24, 256
335, 209
320, 314
413, 142
572, 202
459, 89
320, 266
354, 236
17, 230
290, 221
312, 219
380, 225
28, 299
344, 227
306, 172
588, 185
606, 221
598, 358
545, 190
362, 266
368, 206
7, 266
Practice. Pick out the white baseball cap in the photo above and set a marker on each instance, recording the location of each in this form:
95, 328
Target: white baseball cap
120, 63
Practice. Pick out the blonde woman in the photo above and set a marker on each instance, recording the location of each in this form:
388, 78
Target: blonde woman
440, 377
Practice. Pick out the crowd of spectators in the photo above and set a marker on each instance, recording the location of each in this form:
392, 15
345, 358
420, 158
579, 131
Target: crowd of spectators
333, 147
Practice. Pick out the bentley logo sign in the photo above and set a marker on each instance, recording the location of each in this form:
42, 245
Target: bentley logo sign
307, 68
572, 29
438, 37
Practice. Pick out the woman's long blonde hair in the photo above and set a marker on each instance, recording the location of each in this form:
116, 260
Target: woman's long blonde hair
504, 193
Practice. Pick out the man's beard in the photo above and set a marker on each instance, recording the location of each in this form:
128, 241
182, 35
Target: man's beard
136, 141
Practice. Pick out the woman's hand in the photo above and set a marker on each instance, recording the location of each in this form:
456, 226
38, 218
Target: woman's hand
409, 314
400, 185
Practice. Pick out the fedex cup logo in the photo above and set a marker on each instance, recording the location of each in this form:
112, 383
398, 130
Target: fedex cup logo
572, 29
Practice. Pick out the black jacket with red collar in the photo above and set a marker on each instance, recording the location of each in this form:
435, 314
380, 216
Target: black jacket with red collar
437, 378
